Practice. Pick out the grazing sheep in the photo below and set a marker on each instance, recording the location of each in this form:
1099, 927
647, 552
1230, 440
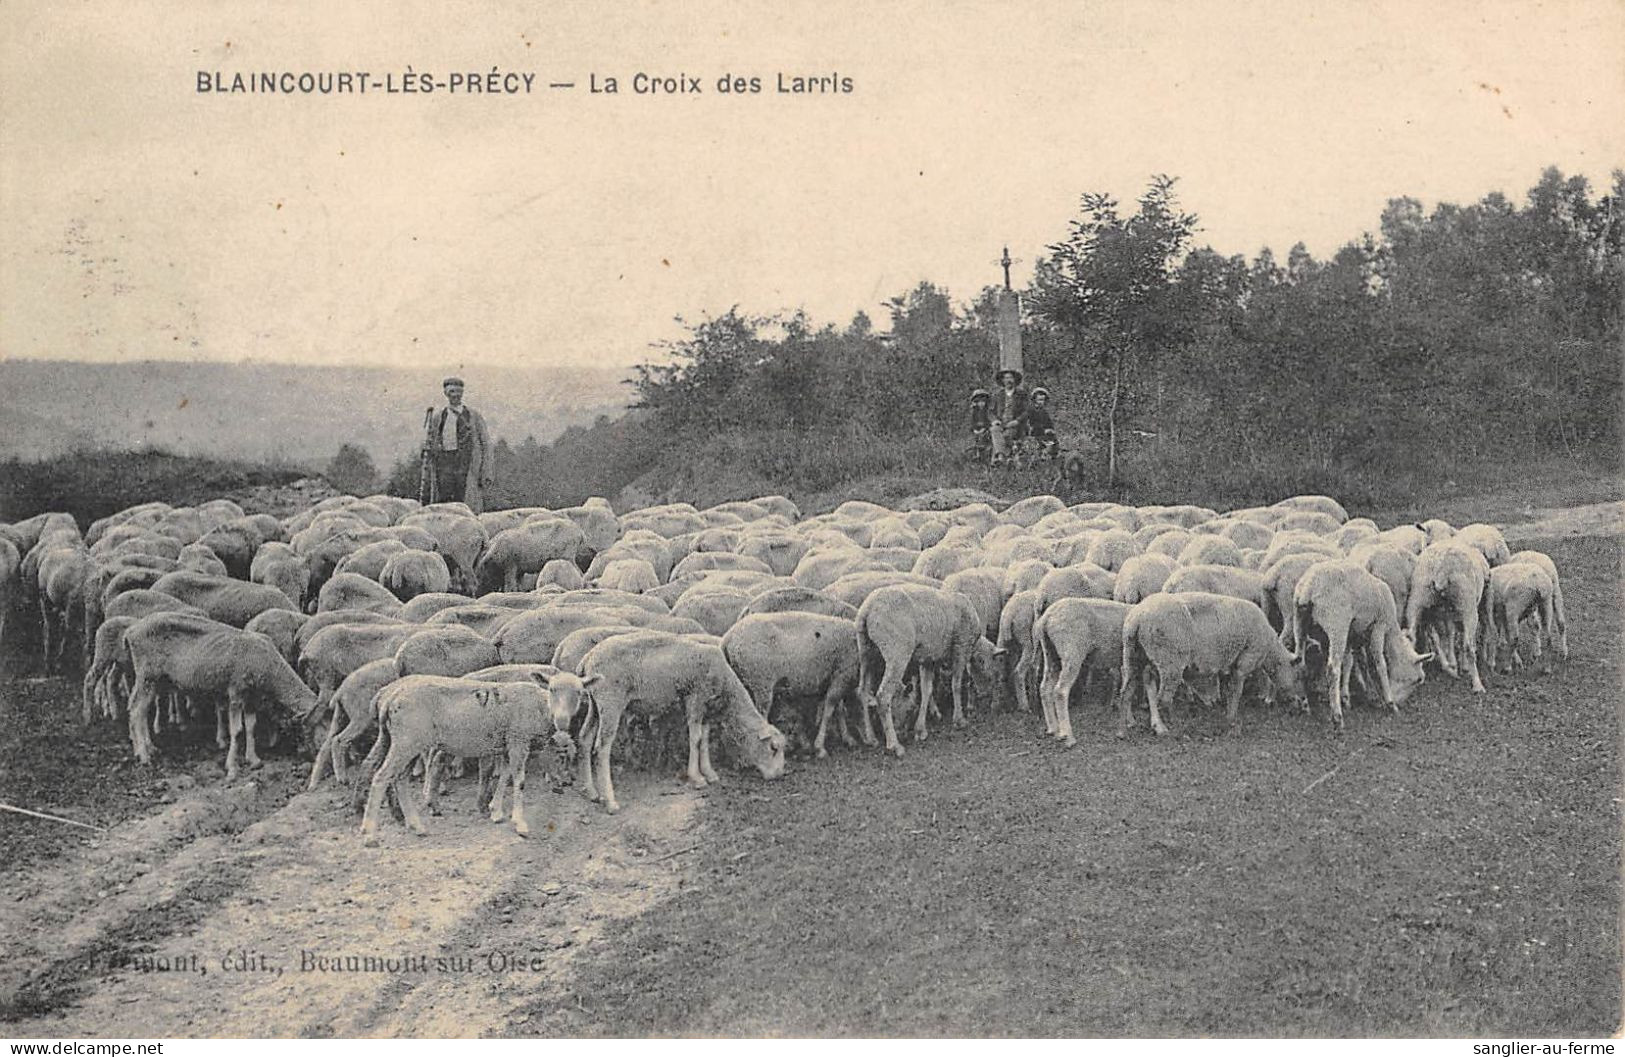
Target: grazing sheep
1519, 590
106, 678
459, 537
1550, 568
485, 619
1111, 549
939, 630
1220, 580
424, 607
423, 714
1214, 635
200, 559
1488, 541
1280, 580
938, 562
1210, 550
780, 551
1171, 543
985, 589
1347, 611
1085, 580
1142, 575
1073, 637
1318, 504
805, 654
412, 572
565, 574
1389, 563
281, 626
531, 638
350, 591
633, 575
651, 548
369, 560
715, 608
526, 549
1024, 575
651, 673
798, 600
202, 659
333, 652
313, 624
353, 713
1015, 637
1450, 597
449, 649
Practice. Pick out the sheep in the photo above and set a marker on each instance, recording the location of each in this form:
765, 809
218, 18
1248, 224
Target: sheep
449, 650
526, 549
855, 587
62, 579
1111, 549
1450, 586
1280, 580
1561, 620
1085, 580
531, 638
313, 624
1347, 610
818, 569
413, 572
276, 565
337, 650
1319, 504
1073, 637
200, 658
601, 596
1212, 634
353, 713
938, 562
422, 714
645, 545
11, 562
1210, 550
1142, 575
1024, 575
807, 654
652, 672
1171, 543
781, 551
1248, 535
369, 560
985, 589
1015, 636
1519, 590
105, 675
798, 599
715, 608
629, 574
565, 574
280, 626
459, 537
935, 628
351, 591
199, 559
1220, 580
1389, 563
485, 619
423, 607
1488, 541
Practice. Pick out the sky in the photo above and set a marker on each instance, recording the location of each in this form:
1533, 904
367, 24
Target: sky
143, 219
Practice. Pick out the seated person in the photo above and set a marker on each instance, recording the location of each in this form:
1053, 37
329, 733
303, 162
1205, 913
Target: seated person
1040, 426
1009, 410
980, 424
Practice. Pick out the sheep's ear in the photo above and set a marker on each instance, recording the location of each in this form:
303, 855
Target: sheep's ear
999, 651
591, 680
1423, 658
542, 678
483, 697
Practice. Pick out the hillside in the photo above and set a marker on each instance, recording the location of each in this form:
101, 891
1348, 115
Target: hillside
284, 412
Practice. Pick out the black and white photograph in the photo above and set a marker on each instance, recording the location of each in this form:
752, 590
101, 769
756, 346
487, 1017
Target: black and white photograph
1081, 519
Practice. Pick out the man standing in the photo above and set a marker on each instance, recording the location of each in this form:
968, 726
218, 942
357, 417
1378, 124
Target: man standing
457, 452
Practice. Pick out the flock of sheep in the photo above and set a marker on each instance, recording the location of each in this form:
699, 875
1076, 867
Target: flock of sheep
475, 637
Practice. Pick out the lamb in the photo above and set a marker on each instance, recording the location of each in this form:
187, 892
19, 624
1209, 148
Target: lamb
1450, 586
200, 659
1142, 575
1073, 637
807, 654
938, 630
1348, 610
526, 549
423, 714
105, 676
1519, 590
1561, 620
1219, 636
351, 591
413, 572
651, 672
457, 536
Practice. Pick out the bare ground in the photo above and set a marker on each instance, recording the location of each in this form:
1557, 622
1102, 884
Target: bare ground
1451, 871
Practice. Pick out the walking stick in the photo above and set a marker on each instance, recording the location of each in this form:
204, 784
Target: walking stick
424, 496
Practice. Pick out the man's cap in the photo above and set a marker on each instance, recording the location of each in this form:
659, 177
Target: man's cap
978, 394
1040, 391
452, 380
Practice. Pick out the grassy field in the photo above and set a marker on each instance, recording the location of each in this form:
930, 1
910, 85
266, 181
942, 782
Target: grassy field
1451, 871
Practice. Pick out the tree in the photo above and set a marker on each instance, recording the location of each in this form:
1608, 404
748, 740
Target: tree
352, 471
1113, 277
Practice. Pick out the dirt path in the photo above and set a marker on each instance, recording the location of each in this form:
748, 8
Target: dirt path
470, 923
1597, 519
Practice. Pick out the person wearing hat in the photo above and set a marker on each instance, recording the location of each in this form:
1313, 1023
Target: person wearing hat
980, 424
457, 452
1040, 426
1009, 410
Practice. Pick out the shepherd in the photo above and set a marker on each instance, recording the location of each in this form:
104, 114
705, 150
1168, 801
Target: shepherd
456, 452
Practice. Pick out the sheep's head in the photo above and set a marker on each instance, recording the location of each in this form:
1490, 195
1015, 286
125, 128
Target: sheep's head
566, 694
769, 755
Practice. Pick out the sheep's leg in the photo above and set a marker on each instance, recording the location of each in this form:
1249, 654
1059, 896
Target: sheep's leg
826, 708
589, 737
45, 629
356, 727
1047, 683
1469, 645
1232, 700
1061, 701
518, 756
1559, 618
928, 694
500, 771
434, 765
891, 684
1023, 679
235, 711
705, 753
605, 744
696, 734
866, 721
142, 697
251, 718
325, 755
1544, 616
1162, 698
510, 577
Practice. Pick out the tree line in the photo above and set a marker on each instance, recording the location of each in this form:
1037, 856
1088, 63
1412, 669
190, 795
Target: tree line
1446, 344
